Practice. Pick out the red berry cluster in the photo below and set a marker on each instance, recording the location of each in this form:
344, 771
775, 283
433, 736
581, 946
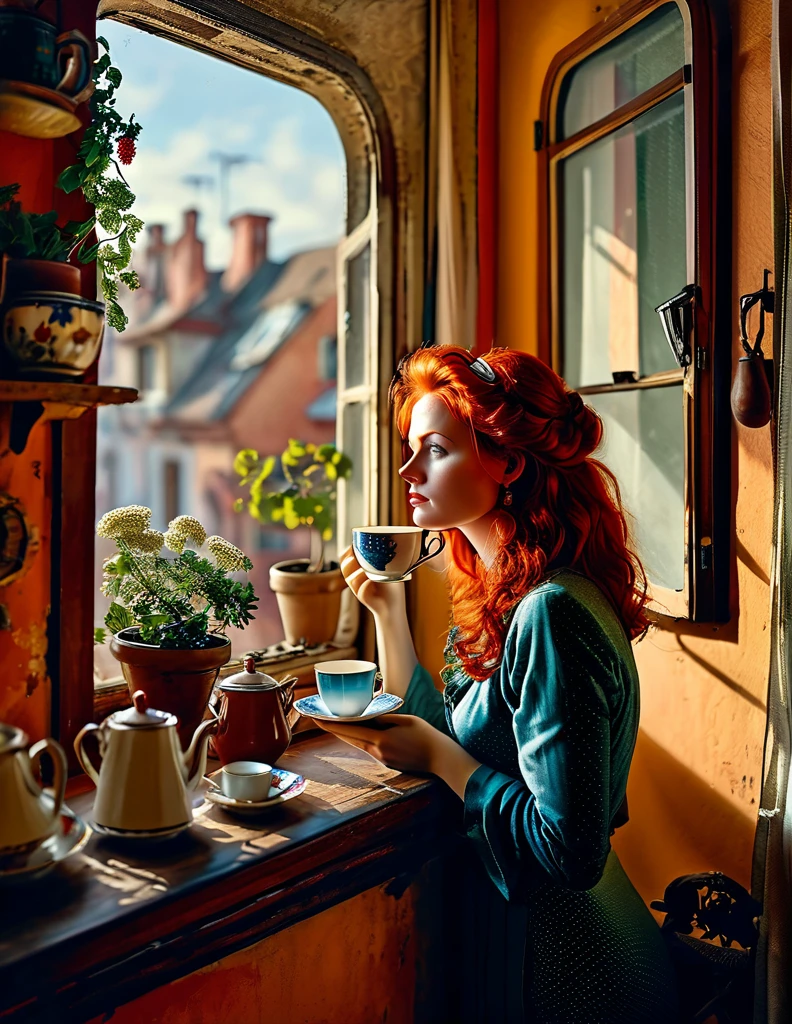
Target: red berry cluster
126, 150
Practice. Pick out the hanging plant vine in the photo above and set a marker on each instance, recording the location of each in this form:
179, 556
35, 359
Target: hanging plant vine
98, 174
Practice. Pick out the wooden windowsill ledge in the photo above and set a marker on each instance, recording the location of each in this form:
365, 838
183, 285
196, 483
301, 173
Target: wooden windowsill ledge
116, 920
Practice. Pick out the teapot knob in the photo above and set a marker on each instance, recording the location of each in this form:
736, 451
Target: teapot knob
250, 665
140, 700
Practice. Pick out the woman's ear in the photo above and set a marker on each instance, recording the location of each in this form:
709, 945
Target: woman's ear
514, 468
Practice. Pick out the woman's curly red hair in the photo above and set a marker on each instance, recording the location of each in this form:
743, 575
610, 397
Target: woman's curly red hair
566, 508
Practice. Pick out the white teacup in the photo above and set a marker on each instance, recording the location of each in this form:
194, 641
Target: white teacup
246, 780
388, 554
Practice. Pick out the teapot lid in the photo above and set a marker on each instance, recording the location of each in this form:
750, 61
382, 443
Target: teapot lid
141, 715
248, 679
11, 738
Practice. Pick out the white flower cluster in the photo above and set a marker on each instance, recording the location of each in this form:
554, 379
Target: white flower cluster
131, 525
183, 529
227, 555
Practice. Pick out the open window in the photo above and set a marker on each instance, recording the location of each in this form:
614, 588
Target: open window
635, 209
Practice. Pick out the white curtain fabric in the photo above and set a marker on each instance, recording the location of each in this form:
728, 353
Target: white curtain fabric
773, 851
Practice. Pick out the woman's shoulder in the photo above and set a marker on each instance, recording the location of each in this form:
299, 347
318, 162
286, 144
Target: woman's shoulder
571, 605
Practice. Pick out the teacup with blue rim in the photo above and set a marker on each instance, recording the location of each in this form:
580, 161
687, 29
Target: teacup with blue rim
388, 554
346, 687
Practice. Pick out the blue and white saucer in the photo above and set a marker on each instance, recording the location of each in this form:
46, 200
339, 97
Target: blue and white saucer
315, 707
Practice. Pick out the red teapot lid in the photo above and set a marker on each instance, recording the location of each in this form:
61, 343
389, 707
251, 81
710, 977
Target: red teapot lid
248, 679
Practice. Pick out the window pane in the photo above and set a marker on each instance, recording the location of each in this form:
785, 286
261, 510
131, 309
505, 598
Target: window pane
354, 427
357, 317
624, 246
644, 447
617, 73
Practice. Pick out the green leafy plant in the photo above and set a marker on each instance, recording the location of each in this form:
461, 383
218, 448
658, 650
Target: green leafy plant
97, 173
307, 496
175, 602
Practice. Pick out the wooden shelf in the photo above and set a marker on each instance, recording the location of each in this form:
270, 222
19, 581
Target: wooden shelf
64, 400
48, 401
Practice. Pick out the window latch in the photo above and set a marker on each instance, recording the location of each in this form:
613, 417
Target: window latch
676, 316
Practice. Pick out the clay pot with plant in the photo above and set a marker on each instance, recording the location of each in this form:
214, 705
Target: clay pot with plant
47, 328
308, 590
168, 612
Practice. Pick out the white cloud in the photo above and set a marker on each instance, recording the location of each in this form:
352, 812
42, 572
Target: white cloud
302, 191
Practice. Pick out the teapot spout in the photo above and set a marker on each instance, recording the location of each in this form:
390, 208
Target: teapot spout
195, 755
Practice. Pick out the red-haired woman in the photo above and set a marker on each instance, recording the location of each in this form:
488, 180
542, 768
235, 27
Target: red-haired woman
536, 726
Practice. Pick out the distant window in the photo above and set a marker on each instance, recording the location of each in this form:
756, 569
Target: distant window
146, 368
327, 357
171, 487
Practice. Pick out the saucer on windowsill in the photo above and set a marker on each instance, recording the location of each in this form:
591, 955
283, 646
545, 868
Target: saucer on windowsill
285, 786
69, 837
315, 707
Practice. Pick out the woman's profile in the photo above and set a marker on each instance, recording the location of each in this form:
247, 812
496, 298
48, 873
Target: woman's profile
537, 722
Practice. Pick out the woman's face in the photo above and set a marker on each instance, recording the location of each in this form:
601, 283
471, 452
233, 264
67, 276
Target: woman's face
451, 485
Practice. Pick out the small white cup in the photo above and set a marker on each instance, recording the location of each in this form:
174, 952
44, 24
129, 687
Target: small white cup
246, 780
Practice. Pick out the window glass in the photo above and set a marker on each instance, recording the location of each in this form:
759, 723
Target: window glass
354, 427
357, 317
624, 231
644, 448
617, 73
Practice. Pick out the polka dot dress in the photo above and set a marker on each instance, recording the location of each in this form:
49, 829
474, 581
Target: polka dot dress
556, 934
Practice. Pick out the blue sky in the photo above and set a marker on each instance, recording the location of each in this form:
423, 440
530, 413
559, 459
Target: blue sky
191, 104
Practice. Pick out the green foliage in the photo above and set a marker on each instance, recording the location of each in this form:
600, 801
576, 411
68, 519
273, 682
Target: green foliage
176, 602
308, 497
38, 236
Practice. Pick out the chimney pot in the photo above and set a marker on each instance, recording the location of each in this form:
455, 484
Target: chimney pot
248, 250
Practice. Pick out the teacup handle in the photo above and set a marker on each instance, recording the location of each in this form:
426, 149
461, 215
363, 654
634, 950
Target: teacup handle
74, 50
379, 684
427, 550
60, 769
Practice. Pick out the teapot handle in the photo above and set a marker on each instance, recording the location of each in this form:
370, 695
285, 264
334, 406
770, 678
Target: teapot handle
82, 754
60, 768
286, 692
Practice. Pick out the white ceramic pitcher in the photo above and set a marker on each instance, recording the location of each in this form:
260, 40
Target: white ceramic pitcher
27, 816
144, 781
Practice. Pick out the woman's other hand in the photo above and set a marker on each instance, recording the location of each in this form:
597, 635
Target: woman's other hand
382, 599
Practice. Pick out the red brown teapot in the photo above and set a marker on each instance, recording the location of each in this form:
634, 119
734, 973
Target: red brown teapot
252, 716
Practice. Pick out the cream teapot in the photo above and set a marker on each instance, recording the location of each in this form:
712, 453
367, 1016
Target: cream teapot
27, 816
144, 781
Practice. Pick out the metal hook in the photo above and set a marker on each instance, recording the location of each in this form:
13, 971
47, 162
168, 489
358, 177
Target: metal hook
766, 299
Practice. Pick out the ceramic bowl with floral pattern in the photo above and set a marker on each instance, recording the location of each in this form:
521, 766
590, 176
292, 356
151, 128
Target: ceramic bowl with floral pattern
52, 332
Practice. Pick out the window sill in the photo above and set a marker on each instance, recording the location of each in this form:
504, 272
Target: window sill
113, 922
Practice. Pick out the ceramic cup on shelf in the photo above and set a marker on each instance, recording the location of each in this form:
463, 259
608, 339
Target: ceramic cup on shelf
388, 554
346, 687
246, 780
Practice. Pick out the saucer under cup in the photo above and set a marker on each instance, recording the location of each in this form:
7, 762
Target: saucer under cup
346, 687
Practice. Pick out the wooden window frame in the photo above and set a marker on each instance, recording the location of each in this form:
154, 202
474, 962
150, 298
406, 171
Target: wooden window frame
705, 80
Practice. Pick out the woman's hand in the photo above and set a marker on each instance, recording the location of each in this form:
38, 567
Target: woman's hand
409, 744
382, 599
404, 742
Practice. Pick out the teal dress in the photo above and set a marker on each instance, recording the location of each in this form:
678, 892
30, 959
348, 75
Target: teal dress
558, 935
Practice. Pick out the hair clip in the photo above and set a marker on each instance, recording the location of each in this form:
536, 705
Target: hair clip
483, 371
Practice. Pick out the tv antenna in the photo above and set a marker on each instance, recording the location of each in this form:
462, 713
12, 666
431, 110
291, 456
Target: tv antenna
227, 161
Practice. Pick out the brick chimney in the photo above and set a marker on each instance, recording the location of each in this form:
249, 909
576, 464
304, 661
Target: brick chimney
248, 251
154, 274
185, 276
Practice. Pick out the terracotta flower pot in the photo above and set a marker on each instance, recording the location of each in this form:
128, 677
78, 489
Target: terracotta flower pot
177, 681
309, 602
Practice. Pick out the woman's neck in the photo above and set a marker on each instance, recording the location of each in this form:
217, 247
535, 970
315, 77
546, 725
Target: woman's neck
483, 537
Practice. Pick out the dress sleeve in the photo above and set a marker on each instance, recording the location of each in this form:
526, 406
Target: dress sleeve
425, 700
553, 823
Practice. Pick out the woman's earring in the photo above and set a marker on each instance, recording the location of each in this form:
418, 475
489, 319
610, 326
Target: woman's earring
507, 498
